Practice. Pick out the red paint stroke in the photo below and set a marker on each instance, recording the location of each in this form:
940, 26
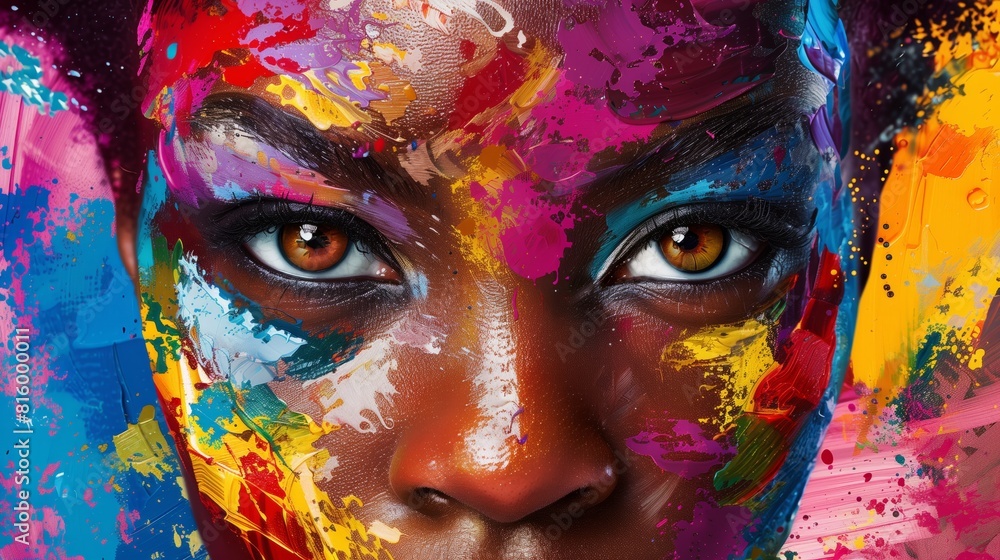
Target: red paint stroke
787, 394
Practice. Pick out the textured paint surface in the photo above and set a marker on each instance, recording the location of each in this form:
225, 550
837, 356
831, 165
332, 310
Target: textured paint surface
911, 469
102, 480
906, 469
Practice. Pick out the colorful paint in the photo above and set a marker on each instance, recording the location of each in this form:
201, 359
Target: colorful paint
455, 279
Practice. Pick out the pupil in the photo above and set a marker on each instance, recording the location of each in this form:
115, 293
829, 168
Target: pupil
318, 241
690, 241
313, 237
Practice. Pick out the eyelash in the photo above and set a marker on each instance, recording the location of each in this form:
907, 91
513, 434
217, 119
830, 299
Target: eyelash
774, 226
233, 227
761, 220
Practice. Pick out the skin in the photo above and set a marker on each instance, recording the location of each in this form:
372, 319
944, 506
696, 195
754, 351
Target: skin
503, 380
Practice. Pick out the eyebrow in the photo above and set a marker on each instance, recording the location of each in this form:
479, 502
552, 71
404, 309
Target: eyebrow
330, 153
681, 170
663, 166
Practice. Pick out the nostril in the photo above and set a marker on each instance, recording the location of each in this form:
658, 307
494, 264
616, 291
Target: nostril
428, 501
539, 483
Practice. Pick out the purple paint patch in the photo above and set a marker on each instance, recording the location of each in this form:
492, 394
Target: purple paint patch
680, 447
664, 61
720, 526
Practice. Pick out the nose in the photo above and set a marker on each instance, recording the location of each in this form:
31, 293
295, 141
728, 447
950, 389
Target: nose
540, 473
506, 431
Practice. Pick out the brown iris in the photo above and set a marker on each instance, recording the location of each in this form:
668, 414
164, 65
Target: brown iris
694, 248
313, 247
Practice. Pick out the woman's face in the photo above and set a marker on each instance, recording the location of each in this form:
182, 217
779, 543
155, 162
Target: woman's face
454, 279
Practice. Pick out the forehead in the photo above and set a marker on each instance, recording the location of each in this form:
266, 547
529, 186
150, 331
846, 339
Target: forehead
405, 66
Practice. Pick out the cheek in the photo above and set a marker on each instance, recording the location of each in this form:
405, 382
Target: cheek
216, 359
782, 419
230, 341
723, 365
733, 401
350, 389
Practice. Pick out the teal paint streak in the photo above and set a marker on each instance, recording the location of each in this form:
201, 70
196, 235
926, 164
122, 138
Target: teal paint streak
24, 79
154, 196
323, 354
713, 182
215, 407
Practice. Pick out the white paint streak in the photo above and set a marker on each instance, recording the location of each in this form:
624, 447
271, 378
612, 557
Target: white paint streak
495, 387
438, 13
353, 390
228, 341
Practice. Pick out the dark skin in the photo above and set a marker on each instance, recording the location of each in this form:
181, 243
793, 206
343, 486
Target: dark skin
443, 470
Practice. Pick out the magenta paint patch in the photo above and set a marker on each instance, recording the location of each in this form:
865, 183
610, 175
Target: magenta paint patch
668, 60
680, 447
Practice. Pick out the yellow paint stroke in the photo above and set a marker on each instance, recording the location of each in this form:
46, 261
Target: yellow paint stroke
397, 91
283, 448
194, 542
142, 446
734, 359
322, 107
940, 218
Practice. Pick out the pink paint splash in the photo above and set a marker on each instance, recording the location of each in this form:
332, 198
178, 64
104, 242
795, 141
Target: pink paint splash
534, 231
883, 493
126, 524
43, 481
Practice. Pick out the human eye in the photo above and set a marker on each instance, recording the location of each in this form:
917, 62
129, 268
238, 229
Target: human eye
695, 252
308, 243
711, 260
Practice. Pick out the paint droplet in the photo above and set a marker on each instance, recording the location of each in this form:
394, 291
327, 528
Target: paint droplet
900, 459
827, 456
902, 482
171, 51
978, 199
868, 477
385, 532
